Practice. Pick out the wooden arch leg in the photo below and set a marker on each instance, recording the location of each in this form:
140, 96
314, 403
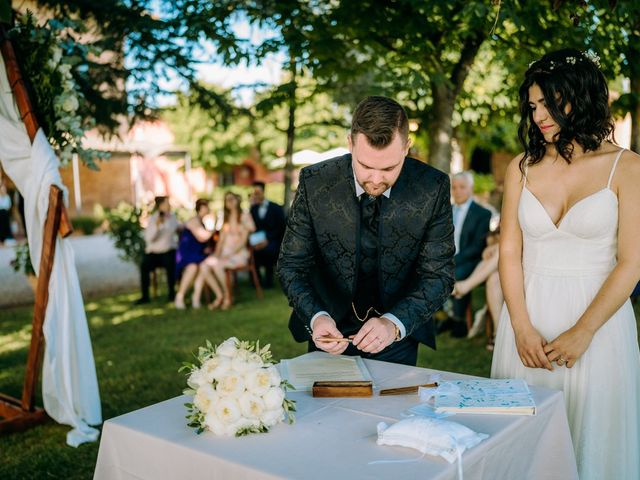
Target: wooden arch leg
21, 414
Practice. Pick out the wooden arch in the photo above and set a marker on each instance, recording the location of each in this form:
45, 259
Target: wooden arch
21, 414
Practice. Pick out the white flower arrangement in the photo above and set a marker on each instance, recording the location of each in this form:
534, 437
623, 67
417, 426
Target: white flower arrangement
236, 389
49, 56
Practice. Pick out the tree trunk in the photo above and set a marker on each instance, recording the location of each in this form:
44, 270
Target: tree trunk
440, 127
291, 130
445, 91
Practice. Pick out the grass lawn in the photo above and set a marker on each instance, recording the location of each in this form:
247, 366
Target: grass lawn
138, 350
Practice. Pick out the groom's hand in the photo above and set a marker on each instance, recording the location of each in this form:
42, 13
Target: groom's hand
376, 334
325, 326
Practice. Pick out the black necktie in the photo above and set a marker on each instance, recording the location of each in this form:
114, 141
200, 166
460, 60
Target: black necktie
369, 217
370, 212
366, 294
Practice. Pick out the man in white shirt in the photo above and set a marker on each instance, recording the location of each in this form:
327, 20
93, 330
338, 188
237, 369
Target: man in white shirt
160, 250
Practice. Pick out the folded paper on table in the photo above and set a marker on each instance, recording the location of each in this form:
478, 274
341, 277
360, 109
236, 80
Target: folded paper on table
257, 237
301, 372
491, 396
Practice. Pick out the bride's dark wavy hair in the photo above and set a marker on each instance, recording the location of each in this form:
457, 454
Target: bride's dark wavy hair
566, 77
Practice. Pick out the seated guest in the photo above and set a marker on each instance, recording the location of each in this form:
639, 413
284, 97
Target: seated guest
231, 252
160, 248
485, 272
471, 225
194, 240
270, 224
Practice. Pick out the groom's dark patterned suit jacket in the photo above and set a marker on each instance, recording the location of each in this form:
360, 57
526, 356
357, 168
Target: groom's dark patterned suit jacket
318, 262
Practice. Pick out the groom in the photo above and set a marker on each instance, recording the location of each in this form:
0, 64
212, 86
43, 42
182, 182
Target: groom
368, 249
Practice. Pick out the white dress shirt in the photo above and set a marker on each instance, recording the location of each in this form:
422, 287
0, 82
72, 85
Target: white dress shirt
160, 238
459, 215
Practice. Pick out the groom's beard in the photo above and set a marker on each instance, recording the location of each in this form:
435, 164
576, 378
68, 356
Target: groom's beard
375, 189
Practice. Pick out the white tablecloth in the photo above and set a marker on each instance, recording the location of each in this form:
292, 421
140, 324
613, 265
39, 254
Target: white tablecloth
335, 438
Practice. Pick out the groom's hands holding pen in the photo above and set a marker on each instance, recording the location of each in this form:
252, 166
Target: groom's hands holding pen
325, 327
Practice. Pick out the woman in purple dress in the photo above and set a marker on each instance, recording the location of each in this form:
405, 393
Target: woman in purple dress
191, 250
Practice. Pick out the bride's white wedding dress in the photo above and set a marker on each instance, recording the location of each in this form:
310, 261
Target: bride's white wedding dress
564, 267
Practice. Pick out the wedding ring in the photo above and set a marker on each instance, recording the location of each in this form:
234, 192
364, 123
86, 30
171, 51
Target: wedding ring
561, 361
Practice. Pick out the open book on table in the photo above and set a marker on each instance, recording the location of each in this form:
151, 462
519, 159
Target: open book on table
302, 371
490, 396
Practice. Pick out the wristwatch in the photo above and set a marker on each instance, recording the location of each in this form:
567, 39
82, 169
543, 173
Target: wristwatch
397, 338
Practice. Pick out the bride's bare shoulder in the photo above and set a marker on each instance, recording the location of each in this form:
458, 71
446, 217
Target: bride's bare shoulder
514, 171
627, 172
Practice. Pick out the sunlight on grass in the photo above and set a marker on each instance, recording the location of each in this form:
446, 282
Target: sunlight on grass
134, 314
15, 340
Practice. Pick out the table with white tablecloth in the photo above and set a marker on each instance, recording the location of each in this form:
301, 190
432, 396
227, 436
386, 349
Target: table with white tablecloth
335, 438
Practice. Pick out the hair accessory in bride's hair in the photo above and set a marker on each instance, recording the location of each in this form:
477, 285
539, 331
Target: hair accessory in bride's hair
571, 60
593, 57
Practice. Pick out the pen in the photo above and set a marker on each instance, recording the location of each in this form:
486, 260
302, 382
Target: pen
332, 339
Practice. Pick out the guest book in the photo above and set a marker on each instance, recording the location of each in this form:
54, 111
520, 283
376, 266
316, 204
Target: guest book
490, 396
303, 371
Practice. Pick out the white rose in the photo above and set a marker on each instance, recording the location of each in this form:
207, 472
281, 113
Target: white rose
245, 362
228, 348
216, 367
258, 382
255, 360
214, 424
231, 385
274, 374
205, 398
196, 379
273, 398
227, 410
271, 417
70, 103
251, 406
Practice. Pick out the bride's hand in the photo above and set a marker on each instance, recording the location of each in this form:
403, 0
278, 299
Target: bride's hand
530, 345
459, 290
569, 346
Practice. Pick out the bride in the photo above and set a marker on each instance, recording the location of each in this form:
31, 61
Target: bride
569, 259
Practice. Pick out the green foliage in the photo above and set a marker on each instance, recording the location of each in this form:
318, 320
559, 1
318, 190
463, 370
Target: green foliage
5, 11
126, 231
22, 261
86, 225
48, 55
483, 183
217, 141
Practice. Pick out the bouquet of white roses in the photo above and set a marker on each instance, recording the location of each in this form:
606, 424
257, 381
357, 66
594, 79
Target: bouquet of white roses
236, 389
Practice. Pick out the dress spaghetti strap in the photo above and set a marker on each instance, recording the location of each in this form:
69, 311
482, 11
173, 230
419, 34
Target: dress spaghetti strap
524, 179
613, 169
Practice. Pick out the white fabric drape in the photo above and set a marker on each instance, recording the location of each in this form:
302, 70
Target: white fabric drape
69, 383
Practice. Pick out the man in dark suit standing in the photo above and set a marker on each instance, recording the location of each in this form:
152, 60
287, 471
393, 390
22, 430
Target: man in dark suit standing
368, 249
471, 226
270, 224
